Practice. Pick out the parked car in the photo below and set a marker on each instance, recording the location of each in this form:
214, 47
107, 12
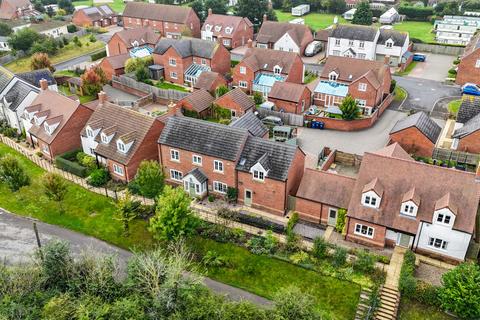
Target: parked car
272, 121
419, 57
313, 48
471, 88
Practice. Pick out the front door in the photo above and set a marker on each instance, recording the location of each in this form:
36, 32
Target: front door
328, 100
332, 217
192, 189
248, 197
403, 240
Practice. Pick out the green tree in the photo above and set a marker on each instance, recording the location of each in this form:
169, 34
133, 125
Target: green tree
142, 74
127, 210
217, 6
5, 29
55, 187
23, 39
150, 179
254, 11
173, 218
257, 97
12, 173
41, 61
363, 15
349, 108
50, 12
199, 9
221, 90
460, 292
336, 6
293, 304
66, 5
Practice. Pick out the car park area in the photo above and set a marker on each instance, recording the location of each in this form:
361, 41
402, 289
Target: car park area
435, 67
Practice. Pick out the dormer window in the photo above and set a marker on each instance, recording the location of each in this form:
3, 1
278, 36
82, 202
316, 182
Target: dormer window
208, 27
47, 128
333, 76
337, 42
389, 43
104, 138
277, 70
370, 201
27, 115
89, 132
409, 209
444, 218
228, 30
218, 28
121, 146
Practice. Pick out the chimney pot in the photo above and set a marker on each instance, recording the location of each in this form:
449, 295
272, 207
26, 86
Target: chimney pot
249, 43
264, 17
102, 97
43, 84
210, 11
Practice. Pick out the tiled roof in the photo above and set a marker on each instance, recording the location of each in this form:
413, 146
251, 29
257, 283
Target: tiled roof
5, 77
354, 32
118, 61
198, 174
98, 13
203, 137
398, 176
326, 187
252, 123
469, 127
158, 12
17, 93
224, 21
272, 31
287, 91
469, 108
322, 35
422, 122
239, 97
199, 99
206, 79
280, 156
129, 125
142, 36
266, 59
187, 47
34, 77
398, 37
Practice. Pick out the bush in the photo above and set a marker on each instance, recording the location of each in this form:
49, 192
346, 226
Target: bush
258, 98
320, 248
365, 262
416, 13
452, 71
427, 294
214, 259
72, 28
407, 282
98, 55
300, 257
393, 84
211, 198
98, 177
255, 221
70, 166
256, 245
292, 221
294, 242
341, 218
339, 258
232, 194
12, 173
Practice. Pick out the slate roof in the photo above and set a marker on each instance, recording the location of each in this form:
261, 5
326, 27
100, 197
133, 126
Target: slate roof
124, 123
280, 157
252, 123
200, 100
239, 97
398, 37
143, 35
203, 137
352, 32
157, 12
272, 31
187, 47
17, 93
266, 59
198, 174
398, 176
287, 91
422, 122
326, 187
469, 127
98, 13
5, 77
34, 77
469, 108
224, 21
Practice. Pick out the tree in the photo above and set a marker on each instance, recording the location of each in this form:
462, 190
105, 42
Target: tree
50, 12
221, 90
173, 218
54, 187
23, 39
41, 61
336, 6
217, 6
349, 108
199, 9
93, 80
12, 173
5, 29
460, 293
142, 74
45, 45
254, 11
133, 64
66, 5
150, 179
127, 210
293, 304
363, 15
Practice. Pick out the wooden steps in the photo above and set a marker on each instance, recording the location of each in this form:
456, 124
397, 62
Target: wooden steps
389, 301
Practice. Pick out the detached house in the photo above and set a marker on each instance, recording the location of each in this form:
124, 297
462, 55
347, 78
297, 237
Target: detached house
209, 158
120, 138
15, 9
237, 101
368, 82
101, 16
284, 36
261, 68
133, 42
184, 60
198, 103
231, 31
113, 65
53, 122
399, 201
290, 97
466, 136
210, 81
469, 66
170, 21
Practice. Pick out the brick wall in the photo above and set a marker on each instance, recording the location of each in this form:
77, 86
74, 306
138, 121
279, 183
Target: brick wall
379, 232
295, 173
413, 141
186, 105
116, 46
249, 76
296, 71
241, 35
109, 70
130, 90
81, 19
466, 69
179, 68
308, 210
470, 143
221, 60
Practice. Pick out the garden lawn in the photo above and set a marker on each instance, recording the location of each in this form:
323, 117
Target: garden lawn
117, 5
407, 70
83, 99
417, 30
264, 276
166, 85
412, 310
453, 106
68, 52
315, 21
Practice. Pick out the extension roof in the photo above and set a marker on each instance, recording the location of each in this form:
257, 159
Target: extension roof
34, 77
239, 97
118, 61
187, 47
98, 13
207, 79
17, 93
354, 32
252, 123
469, 127
200, 100
469, 108
287, 91
422, 122
266, 59
272, 31
157, 12
142, 36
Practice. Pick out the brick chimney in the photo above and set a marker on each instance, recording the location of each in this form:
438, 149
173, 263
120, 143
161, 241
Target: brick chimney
249, 43
265, 17
102, 97
386, 60
210, 11
43, 84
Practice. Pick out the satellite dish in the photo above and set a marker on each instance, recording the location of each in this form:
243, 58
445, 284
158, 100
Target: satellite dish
335, 20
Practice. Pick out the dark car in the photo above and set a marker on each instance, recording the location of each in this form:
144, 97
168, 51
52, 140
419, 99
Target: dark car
419, 57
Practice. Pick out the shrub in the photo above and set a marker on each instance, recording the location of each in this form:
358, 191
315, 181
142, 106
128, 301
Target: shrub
87, 161
393, 84
340, 224
258, 98
70, 166
320, 248
232, 194
258, 245
365, 262
92, 38
452, 71
407, 282
211, 198
190, 113
255, 221
294, 242
427, 294
416, 13
98, 55
291, 303
12, 173
214, 259
339, 258
149, 179
72, 28
300, 257
99, 177
292, 222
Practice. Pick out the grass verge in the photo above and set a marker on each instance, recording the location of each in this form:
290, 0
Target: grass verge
116, 5
453, 106
314, 20
407, 70
400, 93
83, 99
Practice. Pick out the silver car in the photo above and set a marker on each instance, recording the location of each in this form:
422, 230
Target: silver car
313, 48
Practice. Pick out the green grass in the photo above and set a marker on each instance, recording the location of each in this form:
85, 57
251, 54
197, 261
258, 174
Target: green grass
316, 21
65, 73
412, 310
264, 276
400, 93
68, 52
83, 99
417, 29
166, 85
310, 77
117, 5
407, 70
453, 106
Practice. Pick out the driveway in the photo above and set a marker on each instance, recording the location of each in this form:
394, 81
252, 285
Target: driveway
312, 141
18, 243
434, 68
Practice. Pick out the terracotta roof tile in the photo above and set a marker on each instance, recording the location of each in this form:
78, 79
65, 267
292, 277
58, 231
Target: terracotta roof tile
287, 91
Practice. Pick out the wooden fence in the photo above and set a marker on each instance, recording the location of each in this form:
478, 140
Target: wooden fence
290, 119
167, 94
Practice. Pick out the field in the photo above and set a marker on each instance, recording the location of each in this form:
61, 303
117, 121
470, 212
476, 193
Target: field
117, 5
68, 52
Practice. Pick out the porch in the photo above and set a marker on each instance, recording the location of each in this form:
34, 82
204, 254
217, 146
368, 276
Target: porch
264, 82
193, 72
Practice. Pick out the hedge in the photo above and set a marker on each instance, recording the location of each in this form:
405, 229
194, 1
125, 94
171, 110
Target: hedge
70, 155
416, 13
407, 283
254, 221
71, 167
99, 55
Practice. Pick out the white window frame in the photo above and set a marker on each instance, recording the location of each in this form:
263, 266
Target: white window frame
337, 42
121, 146
173, 75
220, 187
258, 175
370, 201
172, 62
243, 84
362, 87
174, 155
104, 138
243, 70
389, 44
89, 132
218, 166
442, 217
442, 244
176, 175
360, 228
118, 170
226, 42
408, 209
197, 160
333, 76
477, 63
361, 103
203, 61
361, 44
351, 43
277, 70
362, 56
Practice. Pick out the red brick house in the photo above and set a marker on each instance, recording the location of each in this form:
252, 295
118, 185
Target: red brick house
15, 9
367, 81
469, 66
261, 68
170, 21
417, 134
231, 31
284, 36
466, 137
120, 138
199, 102
124, 41
210, 81
101, 16
53, 122
290, 97
209, 158
185, 59
114, 65
237, 101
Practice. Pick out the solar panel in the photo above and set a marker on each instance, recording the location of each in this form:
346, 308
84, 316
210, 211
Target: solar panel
92, 10
106, 9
